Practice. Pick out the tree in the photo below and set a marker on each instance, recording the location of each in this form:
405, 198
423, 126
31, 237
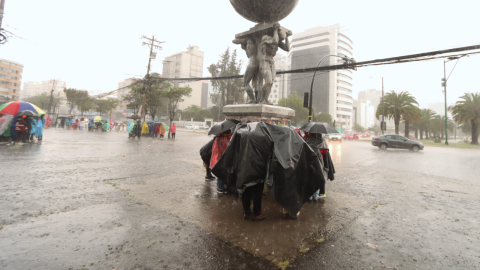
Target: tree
195, 112
410, 116
229, 91
324, 118
104, 106
426, 116
358, 128
75, 97
295, 102
86, 105
174, 95
41, 101
467, 111
396, 106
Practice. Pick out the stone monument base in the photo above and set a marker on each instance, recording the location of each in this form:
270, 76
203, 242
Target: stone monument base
259, 113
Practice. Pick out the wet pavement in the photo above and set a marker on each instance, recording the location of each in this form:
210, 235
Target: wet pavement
84, 200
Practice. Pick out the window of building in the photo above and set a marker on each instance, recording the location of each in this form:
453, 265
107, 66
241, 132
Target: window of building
310, 43
311, 36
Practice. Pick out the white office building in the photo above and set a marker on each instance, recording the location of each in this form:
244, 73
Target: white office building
332, 92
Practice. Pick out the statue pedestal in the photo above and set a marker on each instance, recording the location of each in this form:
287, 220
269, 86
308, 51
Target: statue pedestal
259, 113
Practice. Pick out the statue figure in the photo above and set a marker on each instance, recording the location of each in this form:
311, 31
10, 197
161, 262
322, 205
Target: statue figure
269, 47
250, 47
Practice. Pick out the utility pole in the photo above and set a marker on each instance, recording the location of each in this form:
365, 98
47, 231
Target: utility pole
383, 113
51, 98
152, 44
445, 87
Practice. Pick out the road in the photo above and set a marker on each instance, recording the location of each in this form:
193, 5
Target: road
87, 200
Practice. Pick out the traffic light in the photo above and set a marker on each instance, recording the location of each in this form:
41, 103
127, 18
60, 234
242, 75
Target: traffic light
305, 99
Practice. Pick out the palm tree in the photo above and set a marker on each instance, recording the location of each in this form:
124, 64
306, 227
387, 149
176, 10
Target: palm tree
410, 117
426, 116
397, 105
468, 111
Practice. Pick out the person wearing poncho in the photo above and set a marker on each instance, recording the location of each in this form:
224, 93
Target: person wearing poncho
162, 130
145, 129
106, 126
219, 146
39, 129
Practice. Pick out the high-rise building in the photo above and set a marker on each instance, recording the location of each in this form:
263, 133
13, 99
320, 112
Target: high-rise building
10, 80
187, 64
365, 109
279, 87
332, 91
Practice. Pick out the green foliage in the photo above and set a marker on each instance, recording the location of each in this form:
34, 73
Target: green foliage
104, 106
41, 100
358, 128
229, 91
324, 118
295, 102
195, 112
397, 105
173, 96
75, 98
467, 111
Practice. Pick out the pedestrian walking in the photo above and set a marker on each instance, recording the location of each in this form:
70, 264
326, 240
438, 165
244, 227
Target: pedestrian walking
173, 130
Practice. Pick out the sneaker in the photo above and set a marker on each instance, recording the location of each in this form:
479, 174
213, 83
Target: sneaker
220, 190
257, 218
322, 196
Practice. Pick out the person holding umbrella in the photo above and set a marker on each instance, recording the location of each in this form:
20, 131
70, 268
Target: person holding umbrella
313, 137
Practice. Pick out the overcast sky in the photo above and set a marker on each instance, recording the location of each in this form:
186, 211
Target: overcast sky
94, 44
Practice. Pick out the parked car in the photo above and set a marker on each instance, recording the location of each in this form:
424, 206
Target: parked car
351, 136
366, 135
335, 137
203, 126
396, 141
191, 126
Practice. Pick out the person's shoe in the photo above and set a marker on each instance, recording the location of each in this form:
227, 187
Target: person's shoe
209, 178
322, 196
219, 190
257, 218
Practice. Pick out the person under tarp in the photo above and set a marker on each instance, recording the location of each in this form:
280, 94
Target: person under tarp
219, 145
206, 155
262, 152
320, 147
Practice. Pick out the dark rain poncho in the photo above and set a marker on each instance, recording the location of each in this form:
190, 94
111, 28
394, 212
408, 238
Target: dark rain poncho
261, 152
206, 152
316, 142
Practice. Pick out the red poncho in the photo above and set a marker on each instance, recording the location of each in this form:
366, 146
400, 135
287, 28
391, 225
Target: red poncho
219, 147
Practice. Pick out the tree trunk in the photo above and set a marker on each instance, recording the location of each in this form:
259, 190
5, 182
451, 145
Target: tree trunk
397, 125
474, 132
170, 127
416, 133
421, 134
407, 129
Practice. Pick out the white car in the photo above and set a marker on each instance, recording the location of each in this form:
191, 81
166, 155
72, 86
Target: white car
203, 126
191, 126
335, 137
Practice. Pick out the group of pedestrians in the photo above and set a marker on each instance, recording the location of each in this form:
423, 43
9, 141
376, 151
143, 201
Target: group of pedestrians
23, 129
152, 130
211, 152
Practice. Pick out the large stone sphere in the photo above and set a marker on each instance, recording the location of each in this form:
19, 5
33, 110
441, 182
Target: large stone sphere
266, 11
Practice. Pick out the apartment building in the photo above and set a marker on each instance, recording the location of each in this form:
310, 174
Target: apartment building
10, 80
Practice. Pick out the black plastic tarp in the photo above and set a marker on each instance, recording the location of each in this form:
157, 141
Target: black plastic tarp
261, 152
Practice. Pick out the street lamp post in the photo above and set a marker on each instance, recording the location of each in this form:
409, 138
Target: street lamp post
346, 59
444, 84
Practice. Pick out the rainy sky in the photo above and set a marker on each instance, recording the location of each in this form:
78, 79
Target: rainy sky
94, 44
